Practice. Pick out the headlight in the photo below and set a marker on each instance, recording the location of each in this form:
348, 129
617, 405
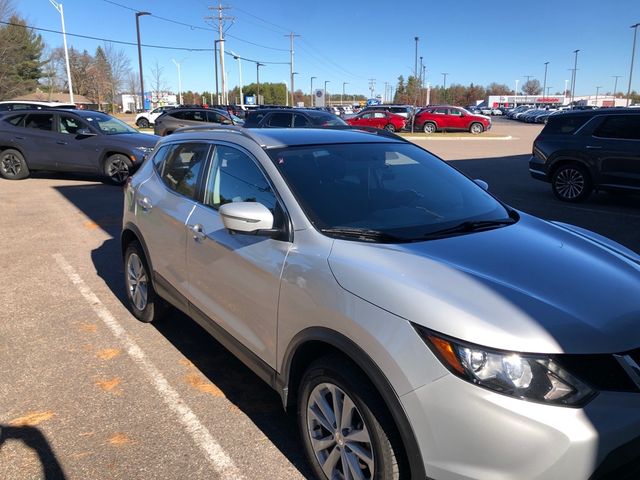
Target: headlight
144, 150
537, 378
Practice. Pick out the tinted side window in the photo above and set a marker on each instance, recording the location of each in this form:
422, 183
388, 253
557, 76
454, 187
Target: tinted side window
16, 121
620, 126
178, 115
215, 117
68, 124
160, 156
565, 123
279, 120
300, 121
236, 178
40, 121
182, 167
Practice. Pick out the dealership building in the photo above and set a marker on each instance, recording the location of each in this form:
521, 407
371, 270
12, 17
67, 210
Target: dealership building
511, 101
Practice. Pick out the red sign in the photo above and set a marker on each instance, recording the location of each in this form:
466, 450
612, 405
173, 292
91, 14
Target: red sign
548, 100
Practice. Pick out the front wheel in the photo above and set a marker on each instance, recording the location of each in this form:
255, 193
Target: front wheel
13, 166
345, 428
571, 183
476, 128
143, 123
390, 128
117, 168
144, 303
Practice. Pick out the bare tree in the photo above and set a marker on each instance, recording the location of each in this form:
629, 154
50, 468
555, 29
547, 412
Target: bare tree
120, 67
158, 83
7, 9
132, 83
532, 87
53, 65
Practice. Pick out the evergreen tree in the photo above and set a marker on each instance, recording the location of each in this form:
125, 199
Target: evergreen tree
20, 66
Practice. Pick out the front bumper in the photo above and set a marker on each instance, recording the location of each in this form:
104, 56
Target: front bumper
537, 169
467, 432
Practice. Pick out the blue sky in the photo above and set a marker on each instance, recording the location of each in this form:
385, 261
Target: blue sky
356, 40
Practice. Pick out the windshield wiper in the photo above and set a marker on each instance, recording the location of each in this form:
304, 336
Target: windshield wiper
366, 235
470, 226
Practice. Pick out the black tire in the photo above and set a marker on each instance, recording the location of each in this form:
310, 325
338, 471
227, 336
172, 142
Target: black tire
117, 168
571, 182
143, 123
429, 127
138, 284
389, 127
347, 381
13, 165
476, 128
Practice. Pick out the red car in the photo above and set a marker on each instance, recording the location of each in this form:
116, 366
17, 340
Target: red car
435, 119
378, 119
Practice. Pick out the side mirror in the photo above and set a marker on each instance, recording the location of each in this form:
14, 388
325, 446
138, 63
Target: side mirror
85, 132
484, 185
250, 218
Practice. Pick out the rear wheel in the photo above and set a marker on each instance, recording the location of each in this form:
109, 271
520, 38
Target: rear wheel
571, 183
143, 123
345, 428
429, 127
476, 128
117, 168
144, 303
390, 127
13, 166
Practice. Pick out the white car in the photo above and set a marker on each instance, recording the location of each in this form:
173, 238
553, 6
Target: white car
496, 111
10, 105
146, 119
485, 110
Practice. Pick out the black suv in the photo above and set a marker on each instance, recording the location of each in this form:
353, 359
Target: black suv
291, 117
583, 150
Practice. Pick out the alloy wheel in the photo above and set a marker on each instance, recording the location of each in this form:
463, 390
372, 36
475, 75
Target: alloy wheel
570, 183
137, 282
339, 437
11, 165
118, 170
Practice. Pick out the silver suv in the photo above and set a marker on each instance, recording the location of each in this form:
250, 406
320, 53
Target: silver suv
421, 327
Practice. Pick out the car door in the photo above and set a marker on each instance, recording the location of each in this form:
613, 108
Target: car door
234, 279
379, 119
74, 152
38, 140
363, 119
615, 144
163, 205
456, 119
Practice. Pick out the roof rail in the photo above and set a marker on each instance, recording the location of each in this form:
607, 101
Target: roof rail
223, 128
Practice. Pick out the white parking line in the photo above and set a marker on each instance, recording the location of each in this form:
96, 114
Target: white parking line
218, 458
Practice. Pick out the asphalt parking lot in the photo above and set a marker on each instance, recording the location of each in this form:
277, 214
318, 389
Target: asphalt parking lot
88, 392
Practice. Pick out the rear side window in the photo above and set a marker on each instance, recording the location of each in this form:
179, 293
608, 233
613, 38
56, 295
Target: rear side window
40, 121
181, 169
280, 120
565, 123
16, 121
300, 121
620, 126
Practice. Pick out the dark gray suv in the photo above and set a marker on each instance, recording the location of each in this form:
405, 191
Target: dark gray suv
78, 141
580, 151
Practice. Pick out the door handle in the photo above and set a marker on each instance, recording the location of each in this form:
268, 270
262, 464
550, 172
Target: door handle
198, 232
61, 142
594, 147
18, 138
145, 203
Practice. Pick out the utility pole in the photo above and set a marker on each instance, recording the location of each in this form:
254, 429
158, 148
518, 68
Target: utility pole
177, 64
291, 37
386, 88
633, 54
444, 86
312, 102
415, 64
258, 65
58, 7
372, 86
597, 91
424, 75
342, 96
544, 86
220, 18
575, 74
615, 86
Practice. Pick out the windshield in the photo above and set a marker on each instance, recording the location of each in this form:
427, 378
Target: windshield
397, 189
108, 125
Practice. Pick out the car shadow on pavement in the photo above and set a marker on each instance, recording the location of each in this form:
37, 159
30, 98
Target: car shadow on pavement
103, 204
34, 439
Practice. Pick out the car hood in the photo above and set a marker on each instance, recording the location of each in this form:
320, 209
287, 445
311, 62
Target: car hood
133, 139
534, 286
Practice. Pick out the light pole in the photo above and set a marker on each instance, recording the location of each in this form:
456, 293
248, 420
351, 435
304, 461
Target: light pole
215, 55
237, 57
326, 95
633, 54
179, 79
58, 7
138, 15
258, 65
615, 86
597, 91
548, 90
415, 64
342, 96
444, 86
575, 74
515, 97
566, 83
293, 75
312, 102
544, 86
